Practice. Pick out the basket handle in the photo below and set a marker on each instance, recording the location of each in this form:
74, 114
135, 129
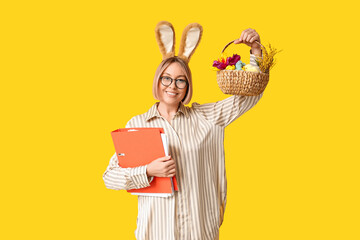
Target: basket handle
233, 41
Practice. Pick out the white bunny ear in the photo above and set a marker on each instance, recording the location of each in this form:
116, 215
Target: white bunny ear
165, 36
189, 41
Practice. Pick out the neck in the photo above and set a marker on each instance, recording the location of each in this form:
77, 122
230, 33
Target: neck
168, 110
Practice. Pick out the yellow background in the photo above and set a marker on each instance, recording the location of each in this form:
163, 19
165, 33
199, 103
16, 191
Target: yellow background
73, 71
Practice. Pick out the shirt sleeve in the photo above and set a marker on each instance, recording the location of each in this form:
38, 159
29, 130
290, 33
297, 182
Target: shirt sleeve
226, 111
118, 178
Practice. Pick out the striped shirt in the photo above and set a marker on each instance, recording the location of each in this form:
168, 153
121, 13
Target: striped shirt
196, 143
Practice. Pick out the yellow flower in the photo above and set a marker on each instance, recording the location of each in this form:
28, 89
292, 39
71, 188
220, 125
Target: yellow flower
230, 67
215, 69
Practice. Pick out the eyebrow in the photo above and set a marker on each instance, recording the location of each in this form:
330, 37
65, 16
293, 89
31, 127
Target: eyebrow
177, 76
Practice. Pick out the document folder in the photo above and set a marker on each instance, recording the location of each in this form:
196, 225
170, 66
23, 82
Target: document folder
140, 146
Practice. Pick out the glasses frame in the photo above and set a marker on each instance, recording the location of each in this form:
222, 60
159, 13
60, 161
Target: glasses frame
161, 80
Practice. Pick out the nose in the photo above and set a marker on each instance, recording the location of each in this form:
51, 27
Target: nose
172, 85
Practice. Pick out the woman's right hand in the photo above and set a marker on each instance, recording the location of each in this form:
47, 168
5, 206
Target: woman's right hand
161, 167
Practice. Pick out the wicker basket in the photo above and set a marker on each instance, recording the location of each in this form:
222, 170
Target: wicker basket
238, 82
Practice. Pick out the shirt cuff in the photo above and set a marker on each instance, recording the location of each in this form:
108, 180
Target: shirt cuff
139, 177
253, 60
150, 179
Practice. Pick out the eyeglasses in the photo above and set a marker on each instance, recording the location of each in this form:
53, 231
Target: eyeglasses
179, 83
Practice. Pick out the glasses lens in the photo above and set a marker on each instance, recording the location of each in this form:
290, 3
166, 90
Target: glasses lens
180, 83
166, 81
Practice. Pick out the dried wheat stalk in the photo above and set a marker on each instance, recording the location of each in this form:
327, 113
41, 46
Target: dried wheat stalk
267, 61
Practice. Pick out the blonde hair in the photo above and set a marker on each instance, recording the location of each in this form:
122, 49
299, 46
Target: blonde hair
161, 68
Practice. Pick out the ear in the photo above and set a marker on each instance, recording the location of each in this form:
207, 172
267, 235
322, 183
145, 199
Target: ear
189, 41
165, 37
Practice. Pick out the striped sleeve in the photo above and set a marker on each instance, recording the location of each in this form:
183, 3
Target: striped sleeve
253, 60
226, 111
118, 178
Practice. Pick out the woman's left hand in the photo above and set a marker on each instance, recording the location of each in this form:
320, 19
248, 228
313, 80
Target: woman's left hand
249, 36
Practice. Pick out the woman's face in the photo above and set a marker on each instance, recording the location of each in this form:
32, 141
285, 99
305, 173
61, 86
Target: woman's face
172, 95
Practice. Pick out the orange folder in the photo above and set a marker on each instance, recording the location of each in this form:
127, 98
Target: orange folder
140, 146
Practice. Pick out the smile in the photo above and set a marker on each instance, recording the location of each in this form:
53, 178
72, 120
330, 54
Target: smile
172, 94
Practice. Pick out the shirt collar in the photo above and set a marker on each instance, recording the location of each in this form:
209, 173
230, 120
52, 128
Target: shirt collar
153, 111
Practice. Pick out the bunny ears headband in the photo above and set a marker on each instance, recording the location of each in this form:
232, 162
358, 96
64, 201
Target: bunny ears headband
165, 36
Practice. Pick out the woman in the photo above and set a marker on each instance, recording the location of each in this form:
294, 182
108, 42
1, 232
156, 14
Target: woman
196, 137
